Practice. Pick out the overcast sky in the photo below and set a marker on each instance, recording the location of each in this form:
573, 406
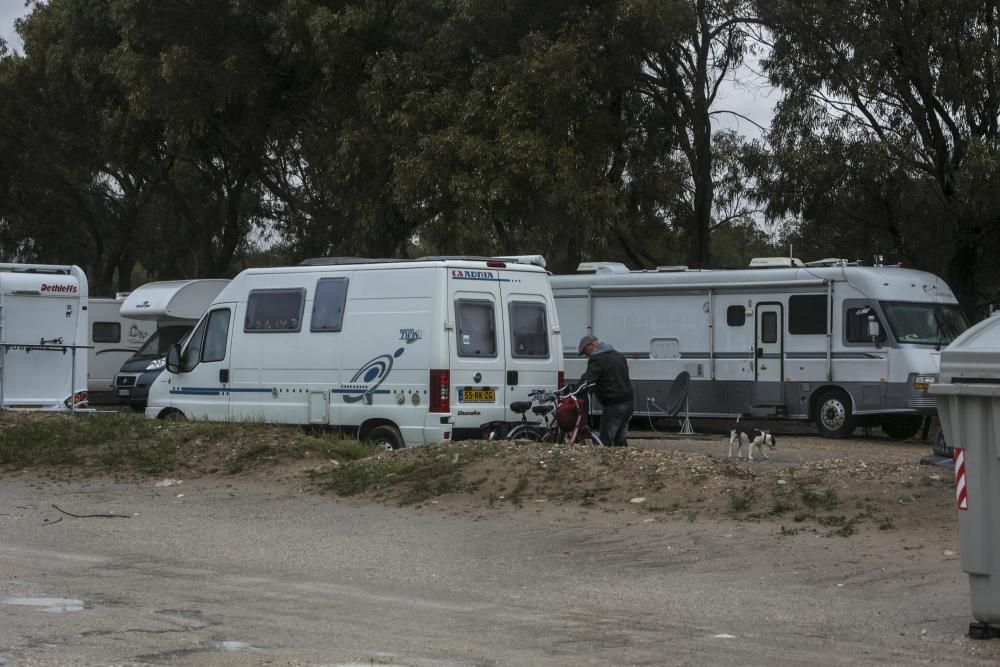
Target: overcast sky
752, 97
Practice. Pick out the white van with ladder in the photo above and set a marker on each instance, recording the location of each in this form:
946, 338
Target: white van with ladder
830, 341
397, 352
113, 339
43, 337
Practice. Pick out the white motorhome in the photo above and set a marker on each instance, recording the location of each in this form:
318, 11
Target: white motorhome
170, 308
398, 352
113, 339
836, 343
43, 337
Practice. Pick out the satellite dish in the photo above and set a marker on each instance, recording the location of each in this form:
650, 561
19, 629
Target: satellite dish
678, 394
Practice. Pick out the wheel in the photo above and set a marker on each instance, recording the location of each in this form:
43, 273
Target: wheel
531, 432
385, 437
902, 427
595, 439
941, 448
834, 417
173, 416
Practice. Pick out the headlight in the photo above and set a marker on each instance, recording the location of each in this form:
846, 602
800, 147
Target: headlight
922, 381
156, 364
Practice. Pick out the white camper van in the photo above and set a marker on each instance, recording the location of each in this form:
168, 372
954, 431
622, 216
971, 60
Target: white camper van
170, 308
398, 352
836, 343
43, 337
113, 339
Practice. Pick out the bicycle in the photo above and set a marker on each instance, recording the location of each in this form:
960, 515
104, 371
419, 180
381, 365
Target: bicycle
563, 417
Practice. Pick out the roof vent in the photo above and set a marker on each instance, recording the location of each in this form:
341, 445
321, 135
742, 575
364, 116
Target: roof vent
829, 261
602, 267
775, 262
679, 267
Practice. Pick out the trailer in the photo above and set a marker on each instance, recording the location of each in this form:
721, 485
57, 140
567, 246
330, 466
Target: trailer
43, 337
114, 338
169, 309
833, 342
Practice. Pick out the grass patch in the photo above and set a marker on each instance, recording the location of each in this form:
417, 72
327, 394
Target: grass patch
824, 500
741, 502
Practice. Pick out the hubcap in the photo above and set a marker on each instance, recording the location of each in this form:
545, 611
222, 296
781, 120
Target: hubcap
383, 444
833, 414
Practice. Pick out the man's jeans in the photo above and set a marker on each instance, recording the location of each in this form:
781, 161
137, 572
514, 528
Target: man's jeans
614, 424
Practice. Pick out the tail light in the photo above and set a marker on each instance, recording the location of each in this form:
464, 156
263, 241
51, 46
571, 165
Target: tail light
494, 264
560, 379
440, 391
79, 401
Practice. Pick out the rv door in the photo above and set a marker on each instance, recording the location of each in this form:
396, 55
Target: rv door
202, 387
478, 369
768, 388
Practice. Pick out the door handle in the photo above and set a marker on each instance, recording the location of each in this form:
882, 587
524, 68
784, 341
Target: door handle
224, 375
512, 378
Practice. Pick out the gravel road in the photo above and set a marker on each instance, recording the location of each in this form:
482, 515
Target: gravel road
224, 572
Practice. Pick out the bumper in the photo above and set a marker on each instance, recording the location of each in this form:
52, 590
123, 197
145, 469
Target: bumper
133, 388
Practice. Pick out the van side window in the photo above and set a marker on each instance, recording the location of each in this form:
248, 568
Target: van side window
274, 310
328, 304
106, 332
736, 316
529, 333
856, 325
192, 353
476, 329
807, 314
216, 336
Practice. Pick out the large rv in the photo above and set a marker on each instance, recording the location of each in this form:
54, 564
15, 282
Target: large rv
170, 308
838, 344
113, 339
43, 337
396, 352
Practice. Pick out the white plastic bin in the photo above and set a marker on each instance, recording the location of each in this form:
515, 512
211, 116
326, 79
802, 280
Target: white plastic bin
968, 403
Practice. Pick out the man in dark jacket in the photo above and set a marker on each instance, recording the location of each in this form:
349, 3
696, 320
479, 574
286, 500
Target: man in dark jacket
608, 370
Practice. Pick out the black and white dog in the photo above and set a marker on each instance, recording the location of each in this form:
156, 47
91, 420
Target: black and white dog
750, 437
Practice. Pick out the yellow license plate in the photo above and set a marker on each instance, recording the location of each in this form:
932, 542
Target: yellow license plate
470, 395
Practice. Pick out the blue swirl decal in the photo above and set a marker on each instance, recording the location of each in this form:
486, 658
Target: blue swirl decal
371, 374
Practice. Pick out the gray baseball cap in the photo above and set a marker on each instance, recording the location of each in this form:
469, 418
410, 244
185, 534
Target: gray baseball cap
584, 342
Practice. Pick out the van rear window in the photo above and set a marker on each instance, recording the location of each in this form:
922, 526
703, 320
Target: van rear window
528, 330
476, 328
274, 310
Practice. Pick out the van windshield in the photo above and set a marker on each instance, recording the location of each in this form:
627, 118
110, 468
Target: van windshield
925, 323
162, 339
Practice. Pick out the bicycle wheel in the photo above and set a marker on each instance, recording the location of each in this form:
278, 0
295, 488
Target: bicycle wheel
531, 432
595, 439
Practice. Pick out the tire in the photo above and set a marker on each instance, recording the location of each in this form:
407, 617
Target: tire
834, 417
173, 416
902, 427
385, 437
531, 432
942, 448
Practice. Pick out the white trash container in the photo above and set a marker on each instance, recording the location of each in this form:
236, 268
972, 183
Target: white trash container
968, 404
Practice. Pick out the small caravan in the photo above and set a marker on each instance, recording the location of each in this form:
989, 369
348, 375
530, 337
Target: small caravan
397, 352
169, 309
43, 337
113, 339
829, 341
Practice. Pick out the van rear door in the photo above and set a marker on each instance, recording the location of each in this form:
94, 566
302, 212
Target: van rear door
477, 350
532, 354
37, 370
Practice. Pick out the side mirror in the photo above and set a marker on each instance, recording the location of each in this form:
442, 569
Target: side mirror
174, 358
874, 330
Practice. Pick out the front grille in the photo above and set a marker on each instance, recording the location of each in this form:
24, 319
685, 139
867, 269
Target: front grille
923, 403
125, 381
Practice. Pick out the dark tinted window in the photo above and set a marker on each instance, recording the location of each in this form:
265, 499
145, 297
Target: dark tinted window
736, 316
328, 304
274, 310
476, 329
807, 314
528, 331
856, 325
106, 332
769, 327
162, 339
216, 336
192, 353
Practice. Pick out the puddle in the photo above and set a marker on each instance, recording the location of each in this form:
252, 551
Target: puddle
51, 605
235, 646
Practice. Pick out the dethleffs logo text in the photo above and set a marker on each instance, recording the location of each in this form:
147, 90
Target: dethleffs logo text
472, 275
64, 289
